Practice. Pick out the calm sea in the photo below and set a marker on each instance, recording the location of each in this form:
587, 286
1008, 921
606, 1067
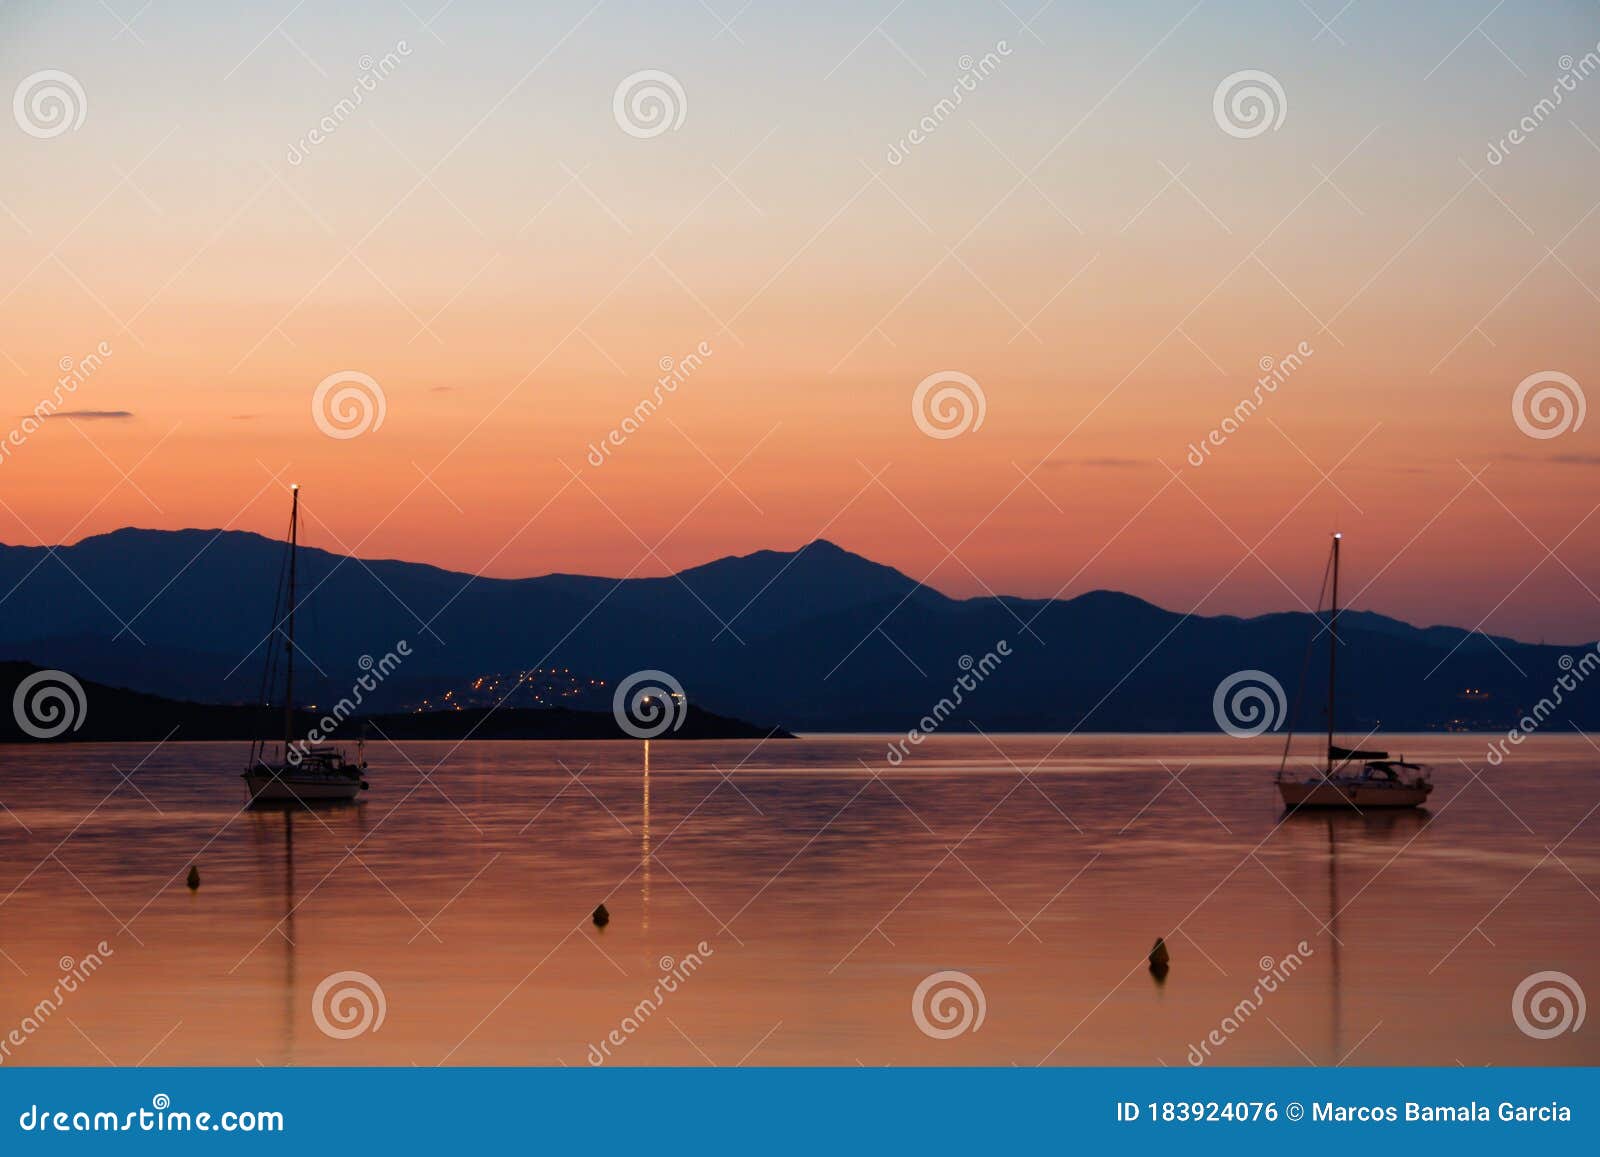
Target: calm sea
783, 902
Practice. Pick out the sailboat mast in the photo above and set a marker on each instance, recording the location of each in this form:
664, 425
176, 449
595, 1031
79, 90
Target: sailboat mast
1333, 646
288, 686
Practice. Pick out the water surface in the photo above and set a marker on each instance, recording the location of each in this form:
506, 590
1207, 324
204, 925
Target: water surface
824, 885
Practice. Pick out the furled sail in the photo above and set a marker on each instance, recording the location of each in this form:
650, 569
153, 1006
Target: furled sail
1342, 754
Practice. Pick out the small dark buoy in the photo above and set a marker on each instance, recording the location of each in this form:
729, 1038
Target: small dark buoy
1160, 960
194, 878
601, 917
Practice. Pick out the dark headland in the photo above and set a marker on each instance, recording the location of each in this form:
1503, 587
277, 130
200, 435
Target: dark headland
117, 715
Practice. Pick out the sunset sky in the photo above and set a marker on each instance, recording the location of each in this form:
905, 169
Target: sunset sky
1080, 236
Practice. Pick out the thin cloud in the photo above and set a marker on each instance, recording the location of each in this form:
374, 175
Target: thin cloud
92, 415
1098, 463
1558, 459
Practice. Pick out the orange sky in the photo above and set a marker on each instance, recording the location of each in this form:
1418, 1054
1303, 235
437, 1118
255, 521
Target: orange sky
1087, 244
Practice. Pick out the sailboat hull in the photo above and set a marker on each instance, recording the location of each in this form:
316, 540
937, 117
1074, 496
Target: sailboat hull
268, 786
1324, 793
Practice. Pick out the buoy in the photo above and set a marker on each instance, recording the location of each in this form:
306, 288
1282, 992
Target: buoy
194, 878
1159, 961
601, 917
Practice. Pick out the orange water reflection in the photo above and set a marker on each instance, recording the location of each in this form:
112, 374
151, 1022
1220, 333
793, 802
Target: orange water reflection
824, 895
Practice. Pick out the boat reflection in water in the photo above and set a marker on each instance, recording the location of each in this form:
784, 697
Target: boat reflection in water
267, 819
1378, 837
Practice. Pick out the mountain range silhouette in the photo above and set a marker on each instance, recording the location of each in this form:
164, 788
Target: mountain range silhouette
813, 639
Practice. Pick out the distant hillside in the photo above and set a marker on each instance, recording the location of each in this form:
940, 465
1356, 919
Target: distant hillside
819, 638
114, 714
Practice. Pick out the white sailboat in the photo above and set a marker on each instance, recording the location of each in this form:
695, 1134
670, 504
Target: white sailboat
1351, 779
298, 772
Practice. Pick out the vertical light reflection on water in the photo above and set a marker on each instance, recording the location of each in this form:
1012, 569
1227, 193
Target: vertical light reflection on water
1333, 932
644, 846
264, 821
288, 936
